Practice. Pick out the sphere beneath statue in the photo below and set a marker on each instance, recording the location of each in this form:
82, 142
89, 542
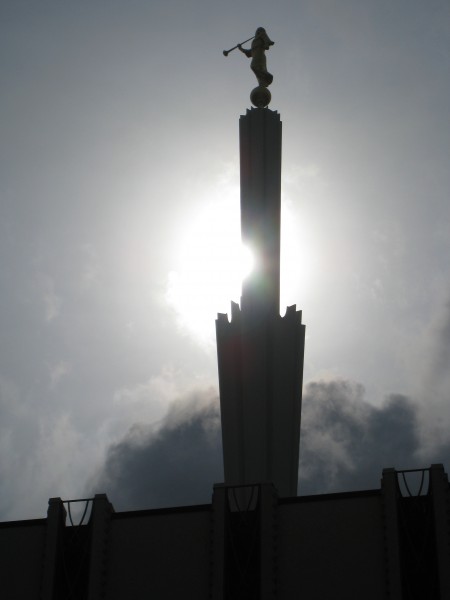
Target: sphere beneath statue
260, 96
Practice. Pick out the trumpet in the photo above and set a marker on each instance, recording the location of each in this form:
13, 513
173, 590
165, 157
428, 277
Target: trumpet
227, 52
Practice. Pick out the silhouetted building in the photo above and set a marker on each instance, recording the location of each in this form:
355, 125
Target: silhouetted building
256, 540
260, 353
372, 544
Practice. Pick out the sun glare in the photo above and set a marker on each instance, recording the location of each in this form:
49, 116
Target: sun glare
247, 261
212, 263
298, 258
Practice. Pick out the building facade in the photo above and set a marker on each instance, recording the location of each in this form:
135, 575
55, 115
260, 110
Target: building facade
375, 544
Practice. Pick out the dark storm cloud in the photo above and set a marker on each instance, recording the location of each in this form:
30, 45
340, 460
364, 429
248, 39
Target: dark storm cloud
176, 464
345, 444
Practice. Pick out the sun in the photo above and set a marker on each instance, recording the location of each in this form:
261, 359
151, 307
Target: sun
299, 258
212, 262
210, 266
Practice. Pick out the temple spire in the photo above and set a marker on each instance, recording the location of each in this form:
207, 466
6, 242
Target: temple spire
260, 353
260, 164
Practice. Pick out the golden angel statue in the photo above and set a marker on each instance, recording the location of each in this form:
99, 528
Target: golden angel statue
261, 42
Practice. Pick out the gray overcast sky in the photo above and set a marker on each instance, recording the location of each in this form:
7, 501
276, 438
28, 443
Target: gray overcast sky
119, 208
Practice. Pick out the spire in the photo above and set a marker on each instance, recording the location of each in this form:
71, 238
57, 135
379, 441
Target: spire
260, 354
260, 163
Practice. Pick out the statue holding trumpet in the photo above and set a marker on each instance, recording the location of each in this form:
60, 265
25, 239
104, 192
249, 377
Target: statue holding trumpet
261, 42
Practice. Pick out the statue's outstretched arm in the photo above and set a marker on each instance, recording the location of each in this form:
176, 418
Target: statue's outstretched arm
248, 53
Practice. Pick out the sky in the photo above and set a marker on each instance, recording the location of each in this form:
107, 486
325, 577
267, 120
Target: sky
119, 239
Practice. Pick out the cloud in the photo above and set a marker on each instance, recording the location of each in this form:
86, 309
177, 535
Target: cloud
50, 299
434, 380
90, 270
57, 372
345, 444
29, 444
176, 463
439, 353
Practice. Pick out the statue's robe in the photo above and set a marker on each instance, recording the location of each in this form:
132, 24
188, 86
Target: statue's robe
260, 44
